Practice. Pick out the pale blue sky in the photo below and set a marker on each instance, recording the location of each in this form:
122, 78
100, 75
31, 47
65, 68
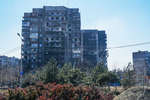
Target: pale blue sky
125, 22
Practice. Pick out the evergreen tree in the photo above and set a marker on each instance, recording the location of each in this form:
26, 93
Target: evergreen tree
99, 69
51, 70
68, 74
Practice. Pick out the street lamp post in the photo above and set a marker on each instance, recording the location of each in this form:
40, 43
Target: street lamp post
21, 69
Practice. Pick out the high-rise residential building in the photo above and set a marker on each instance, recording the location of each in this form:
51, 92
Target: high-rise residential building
141, 62
51, 32
94, 44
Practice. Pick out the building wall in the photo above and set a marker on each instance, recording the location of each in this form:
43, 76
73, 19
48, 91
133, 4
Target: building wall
94, 47
102, 47
51, 31
141, 62
9, 61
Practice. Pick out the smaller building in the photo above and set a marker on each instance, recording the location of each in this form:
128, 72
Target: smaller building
9, 61
3, 60
141, 62
93, 44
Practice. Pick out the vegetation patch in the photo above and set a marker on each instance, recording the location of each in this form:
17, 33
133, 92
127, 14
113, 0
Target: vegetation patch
53, 91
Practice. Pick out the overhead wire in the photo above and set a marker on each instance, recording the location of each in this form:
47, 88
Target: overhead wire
129, 45
116, 47
10, 51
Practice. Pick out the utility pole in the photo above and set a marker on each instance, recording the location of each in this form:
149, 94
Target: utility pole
21, 69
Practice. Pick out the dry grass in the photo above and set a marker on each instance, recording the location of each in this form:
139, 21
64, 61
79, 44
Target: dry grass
3, 91
135, 93
118, 88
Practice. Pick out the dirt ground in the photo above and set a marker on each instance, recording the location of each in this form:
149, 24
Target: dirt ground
135, 93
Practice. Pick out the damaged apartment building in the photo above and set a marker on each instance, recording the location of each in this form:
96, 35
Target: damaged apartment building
54, 32
141, 62
51, 32
94, 45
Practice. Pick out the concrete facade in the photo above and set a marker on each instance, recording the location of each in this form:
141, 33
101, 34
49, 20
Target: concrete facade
141, 62
94, 44
9, 61
51, 32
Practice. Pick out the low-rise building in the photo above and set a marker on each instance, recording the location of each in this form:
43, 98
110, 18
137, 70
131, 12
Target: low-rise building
9, 61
